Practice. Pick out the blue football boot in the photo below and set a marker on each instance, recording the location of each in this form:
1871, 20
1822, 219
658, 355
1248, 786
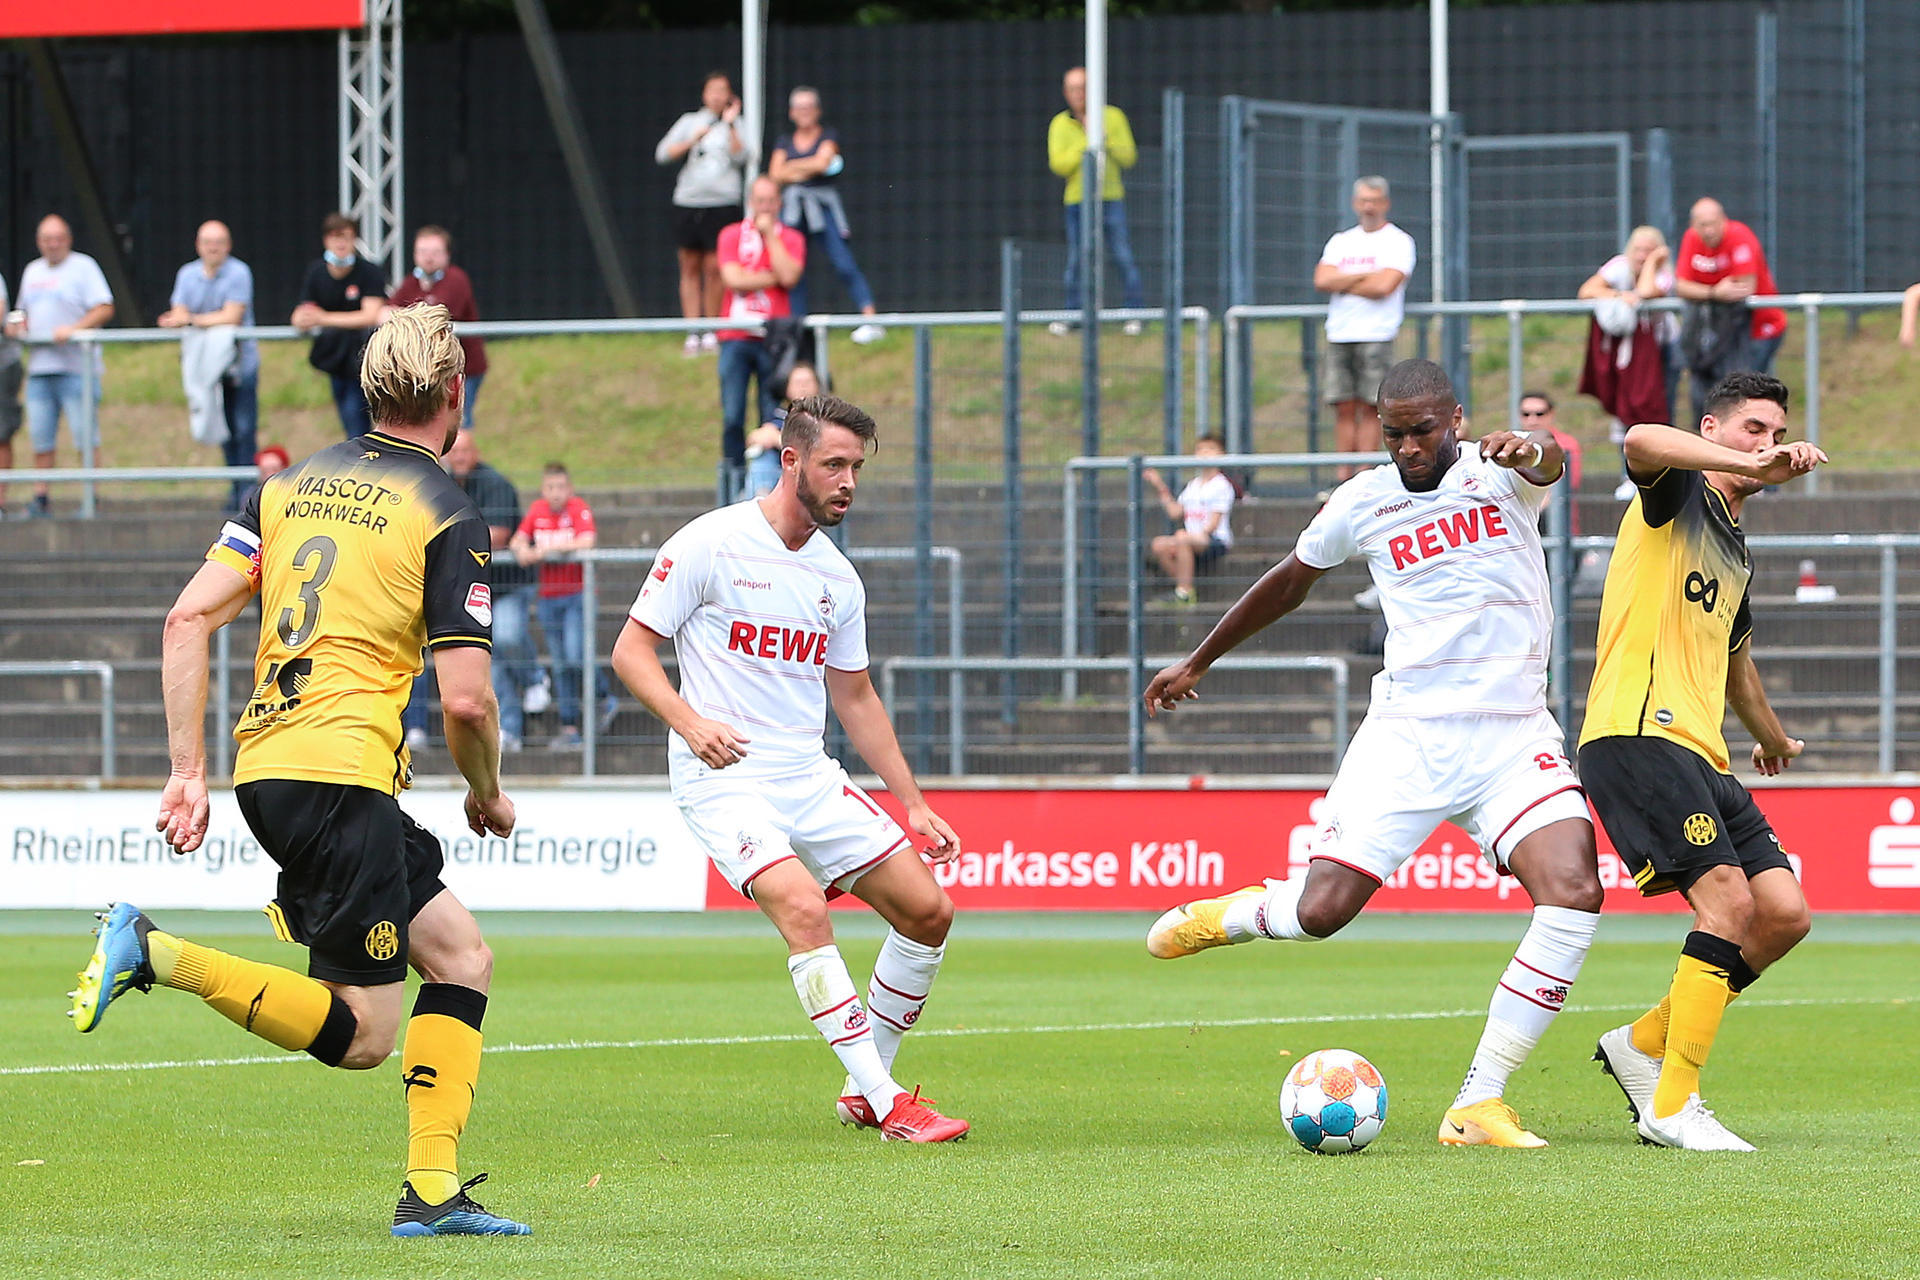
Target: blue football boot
460, 1216
119, 962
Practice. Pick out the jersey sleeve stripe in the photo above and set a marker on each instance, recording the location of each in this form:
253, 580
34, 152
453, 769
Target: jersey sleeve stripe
455, 642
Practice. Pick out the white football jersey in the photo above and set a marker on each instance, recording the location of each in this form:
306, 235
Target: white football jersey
1463, 583
755, 627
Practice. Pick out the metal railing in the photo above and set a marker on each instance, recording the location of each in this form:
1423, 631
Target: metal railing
109, 743
1136, 726
822, 326
1889, 545
1073, 518
1235, 371
953, 558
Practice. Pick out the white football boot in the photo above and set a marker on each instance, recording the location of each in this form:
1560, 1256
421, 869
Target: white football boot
1692, 1128
1635, 1072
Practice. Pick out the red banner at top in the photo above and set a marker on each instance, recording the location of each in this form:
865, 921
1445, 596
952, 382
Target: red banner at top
173, 17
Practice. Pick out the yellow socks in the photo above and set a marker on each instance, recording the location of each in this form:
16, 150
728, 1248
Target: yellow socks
439, 1065
1650, 1028
278, 1005
1702, 989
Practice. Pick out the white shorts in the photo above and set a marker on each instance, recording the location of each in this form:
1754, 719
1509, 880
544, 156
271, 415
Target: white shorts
747, 824
1499, 778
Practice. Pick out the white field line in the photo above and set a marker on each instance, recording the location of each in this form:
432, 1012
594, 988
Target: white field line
1184, 1024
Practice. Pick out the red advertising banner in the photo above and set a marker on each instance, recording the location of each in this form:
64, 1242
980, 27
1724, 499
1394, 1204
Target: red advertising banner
169, 17
1854, 848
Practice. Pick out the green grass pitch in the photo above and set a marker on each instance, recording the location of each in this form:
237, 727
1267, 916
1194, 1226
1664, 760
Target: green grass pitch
655, 1104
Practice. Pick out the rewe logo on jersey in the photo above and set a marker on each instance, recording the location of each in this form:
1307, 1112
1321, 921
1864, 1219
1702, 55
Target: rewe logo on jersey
782, 644
1459, 529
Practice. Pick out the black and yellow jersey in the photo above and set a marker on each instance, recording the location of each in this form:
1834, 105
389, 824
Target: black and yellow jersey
361, 554
1675, 608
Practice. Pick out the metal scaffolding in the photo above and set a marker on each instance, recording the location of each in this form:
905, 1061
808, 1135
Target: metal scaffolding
372, 160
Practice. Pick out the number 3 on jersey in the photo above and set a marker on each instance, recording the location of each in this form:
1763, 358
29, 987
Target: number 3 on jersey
313, 562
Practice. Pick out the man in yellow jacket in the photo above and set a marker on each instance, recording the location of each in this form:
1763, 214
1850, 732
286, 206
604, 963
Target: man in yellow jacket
1066, 146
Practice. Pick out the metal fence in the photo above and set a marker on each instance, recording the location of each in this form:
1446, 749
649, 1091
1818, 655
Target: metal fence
1007, 574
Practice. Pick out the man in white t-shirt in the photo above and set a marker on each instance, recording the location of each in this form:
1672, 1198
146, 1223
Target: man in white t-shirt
61, 292
1365, 268
1204, 510
1458, 729
768, 621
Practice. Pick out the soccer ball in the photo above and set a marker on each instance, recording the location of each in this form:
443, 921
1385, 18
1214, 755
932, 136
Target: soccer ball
1334, 1101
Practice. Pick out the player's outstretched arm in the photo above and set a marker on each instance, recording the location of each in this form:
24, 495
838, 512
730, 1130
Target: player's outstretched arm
1773, 750
211, 599
472, 714
1652, 448
636, 660
1536, 455
864, 717
1278, 593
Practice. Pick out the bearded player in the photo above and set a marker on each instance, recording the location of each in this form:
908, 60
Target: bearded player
768, 621
1458, 729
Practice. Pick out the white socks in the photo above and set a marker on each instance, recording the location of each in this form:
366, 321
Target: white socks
1276, 914
903, 975
1531, 992
826, 993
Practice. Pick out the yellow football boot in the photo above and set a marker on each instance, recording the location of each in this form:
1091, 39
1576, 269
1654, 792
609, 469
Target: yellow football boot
1195, 926
1488, 1123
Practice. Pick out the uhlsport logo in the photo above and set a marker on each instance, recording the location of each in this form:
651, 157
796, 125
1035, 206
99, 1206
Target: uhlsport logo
1700, 829
383, 941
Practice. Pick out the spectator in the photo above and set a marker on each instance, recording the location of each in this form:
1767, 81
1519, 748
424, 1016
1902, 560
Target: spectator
11, 375
1066, 148
1537, 414
436, 279
806, 162
61, 292
1204, 510
763, 442
272, 460
513, 656
557, 524
1633, 361
213, 293
706, 196
1721, 266
1909, 314
343, 299
760, 261
1365, 268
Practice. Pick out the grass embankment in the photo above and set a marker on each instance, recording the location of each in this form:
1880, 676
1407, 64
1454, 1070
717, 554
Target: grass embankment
629, 411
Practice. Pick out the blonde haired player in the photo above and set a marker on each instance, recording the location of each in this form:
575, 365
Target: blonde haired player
1458, 728
768, 621
361, 555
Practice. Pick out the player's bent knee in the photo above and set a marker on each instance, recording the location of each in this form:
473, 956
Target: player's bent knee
1325, 917
368, 1050
929, 926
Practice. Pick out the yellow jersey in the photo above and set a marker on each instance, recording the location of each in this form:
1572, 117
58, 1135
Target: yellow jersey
362, 554
1674, 609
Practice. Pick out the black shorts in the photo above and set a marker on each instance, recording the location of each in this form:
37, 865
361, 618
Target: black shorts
1673, 817
354, 871
700, 228
11, 378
